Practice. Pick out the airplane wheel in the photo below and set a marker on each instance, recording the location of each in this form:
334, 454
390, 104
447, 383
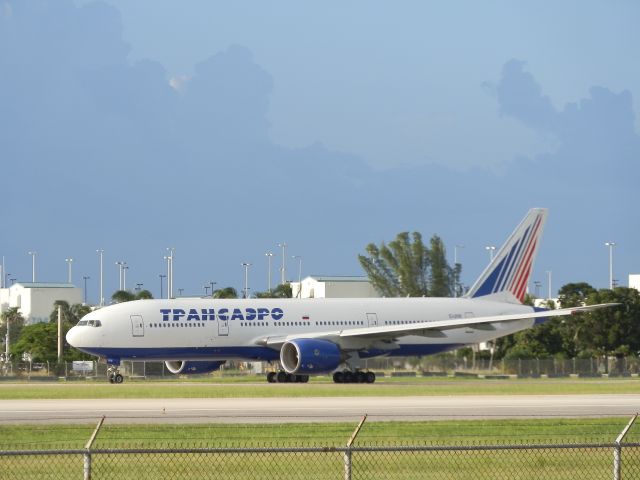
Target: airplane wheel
348, 377
338, 377
291, 378
370, 377
281, 377
361, 377
119, 378
111, 379
271, 377
304, 378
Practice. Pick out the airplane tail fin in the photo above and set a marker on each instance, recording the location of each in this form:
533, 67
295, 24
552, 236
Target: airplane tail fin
507, 276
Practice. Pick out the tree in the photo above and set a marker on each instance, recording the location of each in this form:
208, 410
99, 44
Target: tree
612, 330
406, 267
120, 296
442, 276
228, 292
575, 294
16, 320
281, 291
41, 340
144, 295
70, 313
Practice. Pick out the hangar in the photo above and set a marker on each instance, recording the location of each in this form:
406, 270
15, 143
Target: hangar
35, 300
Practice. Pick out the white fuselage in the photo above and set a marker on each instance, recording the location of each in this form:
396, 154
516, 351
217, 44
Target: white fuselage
205, 328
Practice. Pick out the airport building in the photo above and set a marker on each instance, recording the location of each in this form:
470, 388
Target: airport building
634, 281
35, 300
321, 286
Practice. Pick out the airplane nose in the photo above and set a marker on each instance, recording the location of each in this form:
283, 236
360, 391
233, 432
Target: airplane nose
72, 336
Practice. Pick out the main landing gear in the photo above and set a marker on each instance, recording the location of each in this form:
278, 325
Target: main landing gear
284, 377
358, 376
113, 374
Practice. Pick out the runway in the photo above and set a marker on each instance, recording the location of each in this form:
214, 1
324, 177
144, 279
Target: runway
315, 409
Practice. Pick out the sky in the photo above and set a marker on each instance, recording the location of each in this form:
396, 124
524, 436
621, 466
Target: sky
225, 128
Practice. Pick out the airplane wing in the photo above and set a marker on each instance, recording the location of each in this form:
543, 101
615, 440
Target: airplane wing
426, 329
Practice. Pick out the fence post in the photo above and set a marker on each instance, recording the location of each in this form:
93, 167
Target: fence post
87, 454
347, 452
617, 450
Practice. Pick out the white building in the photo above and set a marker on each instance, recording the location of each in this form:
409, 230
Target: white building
634, 281
35, 300
318, 286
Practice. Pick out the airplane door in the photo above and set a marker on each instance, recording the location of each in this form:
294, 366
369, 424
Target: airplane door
137, 326
372, 319
223, 326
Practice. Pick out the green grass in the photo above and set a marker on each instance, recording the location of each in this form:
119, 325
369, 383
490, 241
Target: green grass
446, 432
498, 464
316, 388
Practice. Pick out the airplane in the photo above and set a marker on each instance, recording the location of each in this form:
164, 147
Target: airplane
320, 335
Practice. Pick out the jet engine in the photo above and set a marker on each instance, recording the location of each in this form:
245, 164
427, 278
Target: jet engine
307, 355
191, 368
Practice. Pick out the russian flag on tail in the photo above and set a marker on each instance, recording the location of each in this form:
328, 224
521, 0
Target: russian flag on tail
507, 276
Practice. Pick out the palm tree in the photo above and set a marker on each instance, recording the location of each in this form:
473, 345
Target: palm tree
228, 292
407, 267
120, 296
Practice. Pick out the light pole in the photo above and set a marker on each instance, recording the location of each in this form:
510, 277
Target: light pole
212, 284
33, 266
161, 282
206, 290
120, 266
269, 255
125, 267
455, 253
537, 285
85, 278
139, 286
246, 278
491, 249
610, 245
3, 283
69, 262
282, 269
549, 284
169, 260
299, 258
180, 290
100, 253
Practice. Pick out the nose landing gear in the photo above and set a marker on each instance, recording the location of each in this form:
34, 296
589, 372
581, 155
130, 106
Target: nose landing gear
114, 375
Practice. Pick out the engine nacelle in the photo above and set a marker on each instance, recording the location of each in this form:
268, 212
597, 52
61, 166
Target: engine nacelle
307, 355
191, 368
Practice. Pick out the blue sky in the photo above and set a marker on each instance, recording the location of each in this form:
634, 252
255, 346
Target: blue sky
224, 128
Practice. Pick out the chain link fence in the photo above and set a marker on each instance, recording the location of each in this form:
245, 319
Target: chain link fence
616, 460
584, 461
447, 364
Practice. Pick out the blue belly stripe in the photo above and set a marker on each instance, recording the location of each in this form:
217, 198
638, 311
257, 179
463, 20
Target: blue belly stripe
255, 353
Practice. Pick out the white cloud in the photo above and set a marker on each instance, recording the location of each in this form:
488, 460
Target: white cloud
179, 83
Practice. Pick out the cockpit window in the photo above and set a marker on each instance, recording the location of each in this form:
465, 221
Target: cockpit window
94, 323
81, 323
